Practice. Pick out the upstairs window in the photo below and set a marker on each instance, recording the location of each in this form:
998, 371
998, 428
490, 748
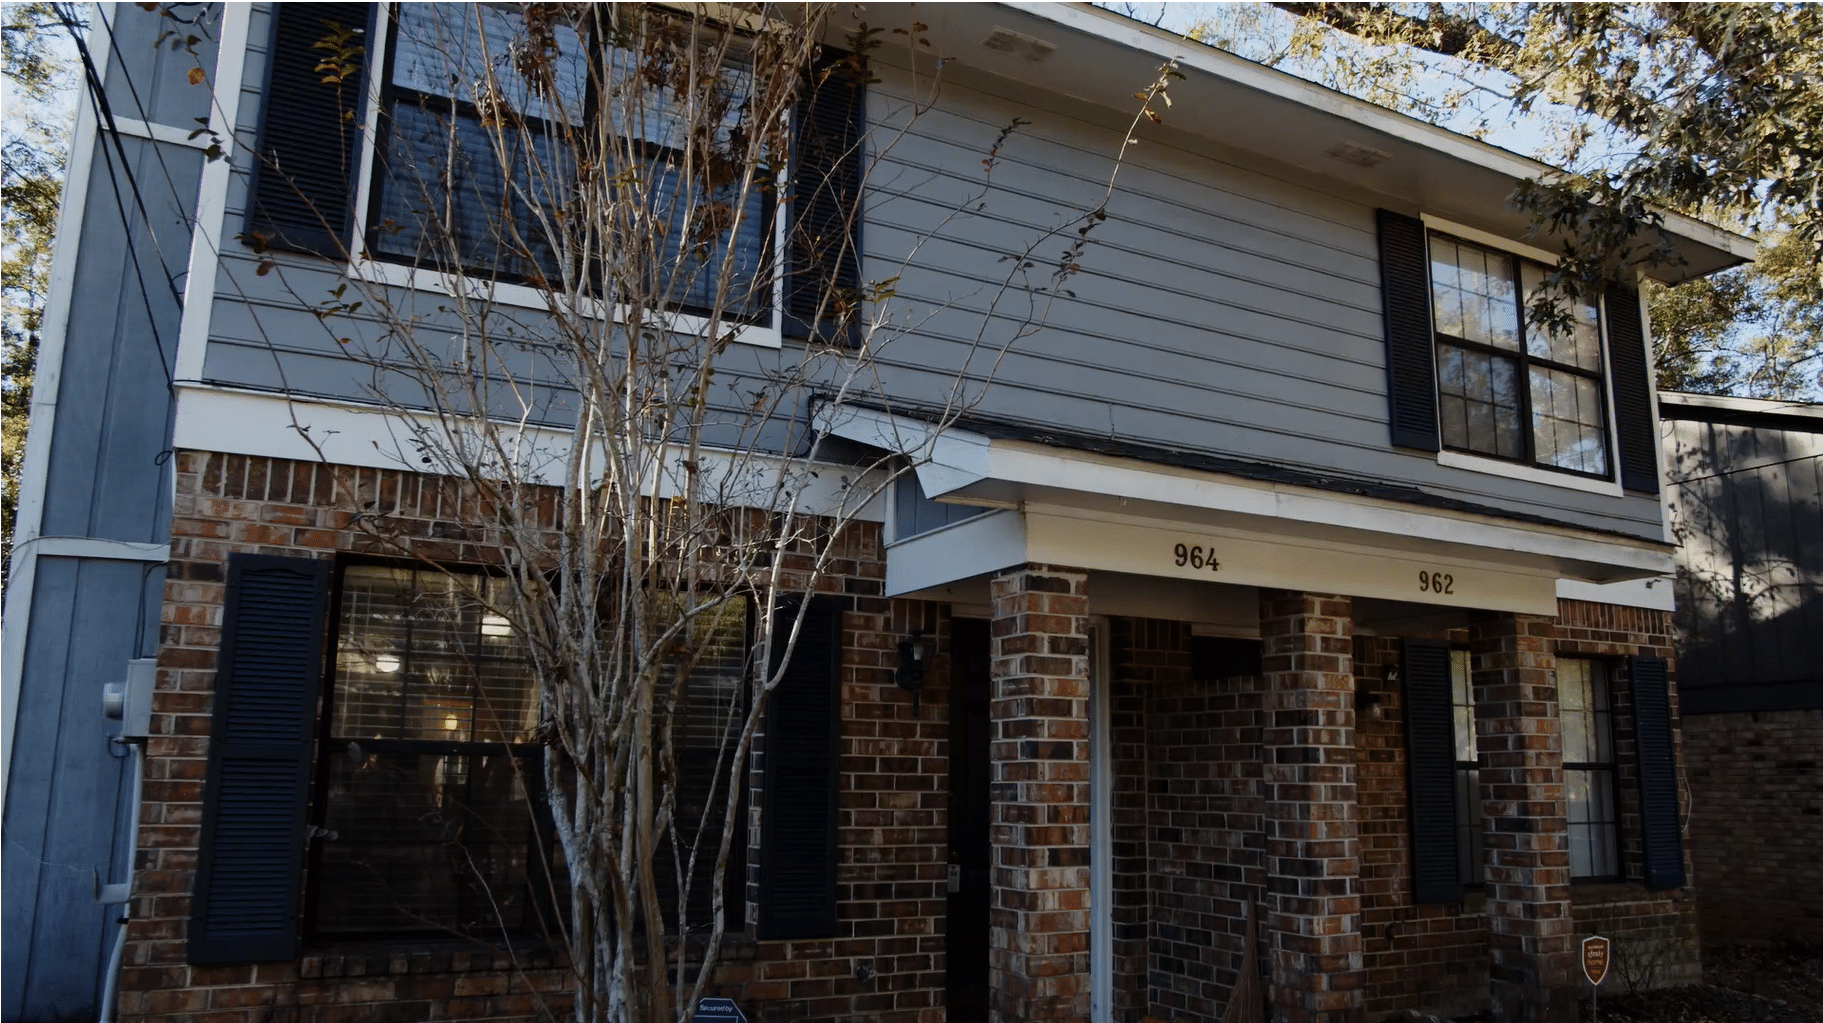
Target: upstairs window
1509, 387
476, 169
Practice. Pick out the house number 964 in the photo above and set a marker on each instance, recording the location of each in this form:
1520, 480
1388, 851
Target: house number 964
1436, 582
1196, 557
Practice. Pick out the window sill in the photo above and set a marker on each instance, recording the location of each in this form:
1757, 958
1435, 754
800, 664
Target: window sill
1530, 473
523, 296
1600, 893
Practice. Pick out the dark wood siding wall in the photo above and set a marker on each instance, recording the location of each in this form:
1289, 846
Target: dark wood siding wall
1746, 494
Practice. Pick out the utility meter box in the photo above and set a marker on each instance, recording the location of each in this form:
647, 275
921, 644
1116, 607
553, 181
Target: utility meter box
130, 702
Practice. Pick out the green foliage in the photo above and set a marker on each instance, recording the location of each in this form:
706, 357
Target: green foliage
32, 146
1755, 331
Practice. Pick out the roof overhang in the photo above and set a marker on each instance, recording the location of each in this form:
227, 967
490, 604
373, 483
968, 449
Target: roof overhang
1065, 506
1103, 58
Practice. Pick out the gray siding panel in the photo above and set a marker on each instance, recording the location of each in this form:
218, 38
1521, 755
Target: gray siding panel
67, 802
1225, 306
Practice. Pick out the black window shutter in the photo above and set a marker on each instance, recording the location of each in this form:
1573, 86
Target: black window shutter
823, 237
245, 907
1638, 438
1405, 297
1430, 770
310, 131
1660, 835
798, 840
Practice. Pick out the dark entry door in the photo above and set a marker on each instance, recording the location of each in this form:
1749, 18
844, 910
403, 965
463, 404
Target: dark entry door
968, 829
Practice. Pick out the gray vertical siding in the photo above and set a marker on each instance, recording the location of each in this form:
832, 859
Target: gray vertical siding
1747, 507
107, 477
1226, 306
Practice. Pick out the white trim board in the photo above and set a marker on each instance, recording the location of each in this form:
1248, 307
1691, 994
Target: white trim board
272, 425
1049, 534
966, 467
212, 194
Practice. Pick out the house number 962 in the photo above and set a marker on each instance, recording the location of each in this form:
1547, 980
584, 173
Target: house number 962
1436, 582
1196, 557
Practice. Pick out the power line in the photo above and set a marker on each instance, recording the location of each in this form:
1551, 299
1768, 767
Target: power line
1744, 468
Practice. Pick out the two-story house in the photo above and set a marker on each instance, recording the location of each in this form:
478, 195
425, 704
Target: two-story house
1284, 571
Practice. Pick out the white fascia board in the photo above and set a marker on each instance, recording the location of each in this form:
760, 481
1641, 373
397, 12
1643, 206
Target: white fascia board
1165, 46
1031, 464
957, 551
945, 458
1656, 593
270, 425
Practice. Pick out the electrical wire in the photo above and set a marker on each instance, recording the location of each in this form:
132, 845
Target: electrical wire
1744, 468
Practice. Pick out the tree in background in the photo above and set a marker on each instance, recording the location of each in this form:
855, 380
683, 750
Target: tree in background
33, 139
1710, 109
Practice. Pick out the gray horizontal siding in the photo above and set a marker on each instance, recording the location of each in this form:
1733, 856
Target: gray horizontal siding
1224, 306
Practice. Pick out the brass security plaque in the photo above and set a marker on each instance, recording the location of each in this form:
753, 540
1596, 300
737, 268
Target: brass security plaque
1595, 959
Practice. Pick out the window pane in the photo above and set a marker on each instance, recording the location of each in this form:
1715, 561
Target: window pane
694, 252
1480, 399
467, 51
423, 655
1580, 345
1469, 852
709, 722
424, 842
1472, 293
1462, 698
445, 200
1567, 421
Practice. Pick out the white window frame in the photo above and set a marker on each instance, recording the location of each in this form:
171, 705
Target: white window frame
1447, 458
370, 270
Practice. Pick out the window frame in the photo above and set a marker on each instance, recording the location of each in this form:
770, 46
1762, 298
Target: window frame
1597, 769
506, 289
1527, 465
540, 845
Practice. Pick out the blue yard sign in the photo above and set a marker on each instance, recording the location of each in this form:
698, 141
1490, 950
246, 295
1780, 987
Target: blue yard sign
718, 1010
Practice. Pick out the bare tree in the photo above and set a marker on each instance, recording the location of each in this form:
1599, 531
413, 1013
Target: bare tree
588, 205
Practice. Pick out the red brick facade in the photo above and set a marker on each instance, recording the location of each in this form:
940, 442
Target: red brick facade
1283, 790
1756, 822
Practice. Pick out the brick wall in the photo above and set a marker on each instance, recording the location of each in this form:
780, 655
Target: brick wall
893, 803
1756, 822
1654, 932
1430, 955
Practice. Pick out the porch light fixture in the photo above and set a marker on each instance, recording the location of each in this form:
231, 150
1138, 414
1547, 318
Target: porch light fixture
1367, 703
914, 656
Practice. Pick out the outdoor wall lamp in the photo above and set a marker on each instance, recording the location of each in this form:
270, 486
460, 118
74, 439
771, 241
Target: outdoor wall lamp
914, 656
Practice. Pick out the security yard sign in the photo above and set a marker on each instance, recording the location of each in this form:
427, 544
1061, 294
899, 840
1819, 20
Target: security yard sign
718, 1010
1595, 959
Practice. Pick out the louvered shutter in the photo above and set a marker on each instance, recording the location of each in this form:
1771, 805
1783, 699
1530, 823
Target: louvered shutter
1430, 770
245, 907
1634, 429
823, 237
1661, 837
303, 191
798, 843
1405, 297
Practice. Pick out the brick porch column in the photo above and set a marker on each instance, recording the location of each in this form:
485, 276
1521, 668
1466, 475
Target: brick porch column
1039, 918
1313, 847
1530, 931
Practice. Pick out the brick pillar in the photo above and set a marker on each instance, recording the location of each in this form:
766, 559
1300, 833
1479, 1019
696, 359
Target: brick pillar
1530, 931
1313, 845
1039, 919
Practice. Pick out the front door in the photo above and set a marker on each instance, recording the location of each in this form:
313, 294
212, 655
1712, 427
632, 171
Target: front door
966, 953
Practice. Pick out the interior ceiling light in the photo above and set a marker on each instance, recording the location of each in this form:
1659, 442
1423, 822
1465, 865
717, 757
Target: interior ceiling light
1018, 44
1359, 155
